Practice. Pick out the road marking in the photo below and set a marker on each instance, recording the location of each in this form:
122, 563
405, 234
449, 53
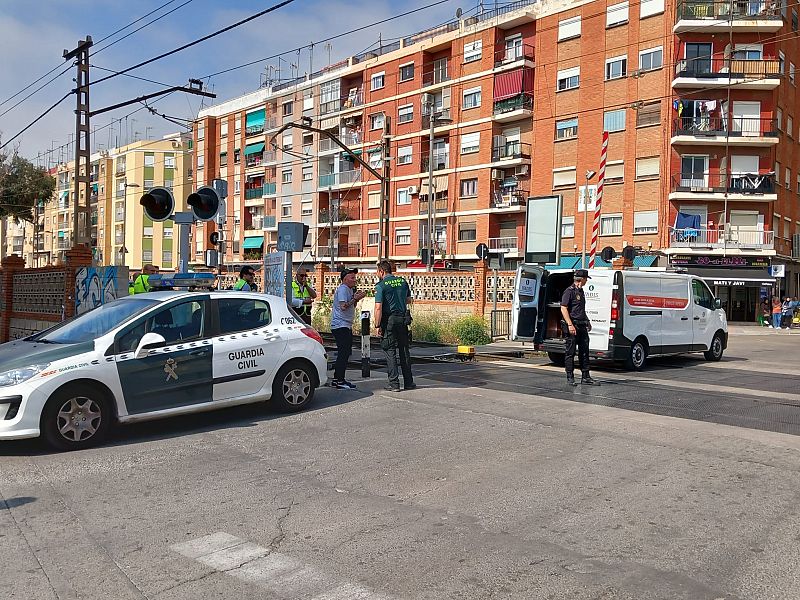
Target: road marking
286, 576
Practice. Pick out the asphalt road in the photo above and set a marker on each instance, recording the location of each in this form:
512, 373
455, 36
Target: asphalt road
492, 480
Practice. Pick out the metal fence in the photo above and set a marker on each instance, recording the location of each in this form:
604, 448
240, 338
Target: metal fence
501, 324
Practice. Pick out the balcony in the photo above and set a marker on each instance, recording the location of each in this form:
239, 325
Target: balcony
734, 237
440, 205
715, 131
270, 156
513, 109
253, 160
510, 56
271, 123
749, 187
342, 178
718, 71
348, 139
436, 76
504, 244
441, 160
254, 130
717, 16
511, 151
270, 188
254, 192
120, 170
510, 198
354, 99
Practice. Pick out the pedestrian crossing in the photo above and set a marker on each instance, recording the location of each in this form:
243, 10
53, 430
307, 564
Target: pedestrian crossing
287, 577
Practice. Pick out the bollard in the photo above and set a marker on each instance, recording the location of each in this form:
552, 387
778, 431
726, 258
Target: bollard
365, 345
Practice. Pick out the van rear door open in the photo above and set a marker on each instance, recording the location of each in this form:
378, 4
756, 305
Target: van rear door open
526, 313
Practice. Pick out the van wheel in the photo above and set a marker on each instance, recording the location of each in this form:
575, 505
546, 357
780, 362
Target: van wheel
637, 357
76, 417
293, 387
556, 358
714, 353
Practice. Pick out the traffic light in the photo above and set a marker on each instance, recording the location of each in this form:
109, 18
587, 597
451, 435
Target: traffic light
158, 204
204, 203
215, 238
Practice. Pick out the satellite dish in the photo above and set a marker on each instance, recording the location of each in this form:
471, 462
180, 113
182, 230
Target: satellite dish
458, 13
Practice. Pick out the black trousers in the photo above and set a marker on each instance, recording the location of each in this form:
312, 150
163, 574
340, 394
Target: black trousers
305, 317
395, 343
344, 348
579, 342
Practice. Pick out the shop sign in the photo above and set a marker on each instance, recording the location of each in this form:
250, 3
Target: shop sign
720, 261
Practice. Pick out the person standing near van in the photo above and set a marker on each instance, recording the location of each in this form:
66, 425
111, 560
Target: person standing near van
576, 327
777, 309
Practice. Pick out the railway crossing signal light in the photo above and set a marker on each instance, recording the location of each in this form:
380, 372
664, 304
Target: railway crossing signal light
204, 203
158, 203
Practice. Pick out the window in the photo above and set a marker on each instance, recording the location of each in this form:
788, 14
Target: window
238, 124
472, 51
779, 118
794, 20
166, 258
470, 142
148, 184
376, 121
791, 72
702, 295
179, 323
237, 186
569, 28
617, 14
798, 183
237, 156
286, 141
616, 67
407, 72
610, 224
567, 130
468, 232
223, 128
405, 114
567, 227
402, 236
286, 211
781, 62
147, 231
472, 98
201, 131
374, 200
377, 80
645, 221
563, 176
648, 114
201, 161
286, 176
648, 8
308, 172
614, 120
651, 59
147, 256
404, 155
306, 209
615, 171
469, 188
288, 108
647, 167
241, 314
149, 160
373, 237
223, 159
169, 161
568, 79
789, 125
787, 175
403, 197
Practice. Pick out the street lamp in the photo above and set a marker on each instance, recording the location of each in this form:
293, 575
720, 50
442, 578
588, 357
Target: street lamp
124, 250
589, 175
430, 103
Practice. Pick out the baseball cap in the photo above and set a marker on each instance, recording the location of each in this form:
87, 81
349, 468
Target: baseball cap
346, 272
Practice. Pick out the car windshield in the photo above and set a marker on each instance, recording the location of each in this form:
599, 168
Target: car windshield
94, 323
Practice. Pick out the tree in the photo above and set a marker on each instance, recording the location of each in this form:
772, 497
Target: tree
22, 184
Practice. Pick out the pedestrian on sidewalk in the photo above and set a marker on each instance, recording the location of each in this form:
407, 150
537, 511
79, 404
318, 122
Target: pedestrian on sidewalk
576, 327
392, 318
777, 309
342, 314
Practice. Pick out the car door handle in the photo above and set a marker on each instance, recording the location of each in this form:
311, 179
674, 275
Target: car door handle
697, 318
201, 352
684, 318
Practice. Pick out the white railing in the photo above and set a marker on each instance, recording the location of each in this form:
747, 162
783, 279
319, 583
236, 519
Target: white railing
733, 237
504, 243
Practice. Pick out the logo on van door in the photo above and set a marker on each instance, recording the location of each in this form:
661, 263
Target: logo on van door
657, 302
590, 294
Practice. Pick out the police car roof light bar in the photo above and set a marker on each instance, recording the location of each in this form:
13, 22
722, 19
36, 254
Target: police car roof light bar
181, 280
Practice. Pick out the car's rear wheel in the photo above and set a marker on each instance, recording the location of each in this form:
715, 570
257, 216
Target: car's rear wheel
76, 417
637, 357
556, 358
293, 387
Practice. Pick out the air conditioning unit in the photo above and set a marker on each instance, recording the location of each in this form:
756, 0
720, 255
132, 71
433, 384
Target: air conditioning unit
497, 174
412, 189
521, 170
176, 144
427, 99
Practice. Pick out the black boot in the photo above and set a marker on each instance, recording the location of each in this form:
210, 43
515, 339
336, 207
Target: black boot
571, 379
587, 379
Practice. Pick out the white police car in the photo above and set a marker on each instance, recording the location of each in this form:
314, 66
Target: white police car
156, 355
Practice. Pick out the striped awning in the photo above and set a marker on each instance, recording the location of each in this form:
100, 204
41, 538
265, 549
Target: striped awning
329, 123
439, 185
508, 85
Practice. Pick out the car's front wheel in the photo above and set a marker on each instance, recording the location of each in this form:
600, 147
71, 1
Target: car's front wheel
293, 387
714, 353
76, 417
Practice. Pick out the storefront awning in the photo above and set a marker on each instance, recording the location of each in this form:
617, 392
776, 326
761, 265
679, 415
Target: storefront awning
253, 242
735, 277
507, 85
254, 149
254, 119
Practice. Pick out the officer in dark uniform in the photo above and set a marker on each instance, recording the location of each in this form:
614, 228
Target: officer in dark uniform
576, 326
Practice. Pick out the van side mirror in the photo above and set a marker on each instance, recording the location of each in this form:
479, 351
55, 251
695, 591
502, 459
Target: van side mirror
149, 341
719, 303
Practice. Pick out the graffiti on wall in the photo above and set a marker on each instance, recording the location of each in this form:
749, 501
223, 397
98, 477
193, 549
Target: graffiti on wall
97, 285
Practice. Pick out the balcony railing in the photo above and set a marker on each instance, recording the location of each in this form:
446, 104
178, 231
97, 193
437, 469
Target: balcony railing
504, 243
439, 205
270, 188
510, 55
436, 76
715, 126
253, 160
733, 237
254, 192
441, 160
332, 179
718, 65
509, 197
352, 250
270, 156
742, 10
120, 170
353, 100
254, 129
746, 183
511, 150
519, 102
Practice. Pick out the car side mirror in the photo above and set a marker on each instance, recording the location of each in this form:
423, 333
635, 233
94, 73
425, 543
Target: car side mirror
149, 342
719, 303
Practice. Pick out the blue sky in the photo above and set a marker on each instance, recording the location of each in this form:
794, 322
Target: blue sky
36, 33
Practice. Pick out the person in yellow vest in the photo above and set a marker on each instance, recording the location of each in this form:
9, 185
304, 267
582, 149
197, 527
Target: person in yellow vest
301, 289
141, 284
134, 275
246, 279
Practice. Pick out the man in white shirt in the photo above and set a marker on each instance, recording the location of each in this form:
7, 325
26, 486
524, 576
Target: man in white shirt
342, 315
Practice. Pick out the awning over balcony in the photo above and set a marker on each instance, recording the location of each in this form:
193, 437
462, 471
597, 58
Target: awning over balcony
254, 149
735, 276
251, 243
508, 85
329, 123
439, 185
254, 119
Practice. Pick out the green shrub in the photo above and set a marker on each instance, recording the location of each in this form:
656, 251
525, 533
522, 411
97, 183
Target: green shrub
470, 330
427, 328
321, 315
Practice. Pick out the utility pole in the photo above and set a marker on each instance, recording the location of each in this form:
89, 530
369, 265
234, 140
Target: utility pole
429, 240
330, 226
385, 189
80, 230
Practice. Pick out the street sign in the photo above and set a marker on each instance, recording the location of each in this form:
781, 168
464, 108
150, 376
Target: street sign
291, 236
273, 274
482, 250
778, 270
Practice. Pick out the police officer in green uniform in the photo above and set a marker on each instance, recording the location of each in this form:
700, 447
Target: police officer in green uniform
141, 284
303, 291
576, 326
392, 297
245, 282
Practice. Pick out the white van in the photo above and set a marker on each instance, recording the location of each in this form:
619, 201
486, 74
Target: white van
634, 314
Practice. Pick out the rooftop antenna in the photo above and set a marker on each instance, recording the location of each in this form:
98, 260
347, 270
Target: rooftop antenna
458, 13
329, 47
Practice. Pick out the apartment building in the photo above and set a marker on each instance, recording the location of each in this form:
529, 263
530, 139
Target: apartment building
697, 98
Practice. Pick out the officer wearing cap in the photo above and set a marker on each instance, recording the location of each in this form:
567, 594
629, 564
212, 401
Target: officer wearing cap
576, 326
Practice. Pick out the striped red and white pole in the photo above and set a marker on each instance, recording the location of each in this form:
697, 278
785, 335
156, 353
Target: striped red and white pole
601, 178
